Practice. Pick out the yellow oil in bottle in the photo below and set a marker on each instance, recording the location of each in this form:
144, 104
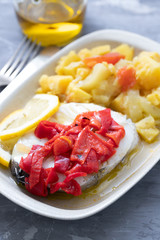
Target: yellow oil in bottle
51, 22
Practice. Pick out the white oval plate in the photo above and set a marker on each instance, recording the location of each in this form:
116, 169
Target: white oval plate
23, 88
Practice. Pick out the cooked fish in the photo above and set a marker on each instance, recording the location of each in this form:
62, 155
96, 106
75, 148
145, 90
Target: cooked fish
65, 115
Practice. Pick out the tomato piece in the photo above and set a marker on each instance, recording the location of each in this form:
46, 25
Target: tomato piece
112, 57
126, 78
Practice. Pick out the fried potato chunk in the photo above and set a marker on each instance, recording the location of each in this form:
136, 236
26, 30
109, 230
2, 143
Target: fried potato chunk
154, 97
147, 71
147, 129
56, 84
125, 50
129, 103
99, 73
100, 50
65, 61
75, 94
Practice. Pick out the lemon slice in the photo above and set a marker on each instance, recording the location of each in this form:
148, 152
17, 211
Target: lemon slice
52, 34
6, 148
40, 107
5, 157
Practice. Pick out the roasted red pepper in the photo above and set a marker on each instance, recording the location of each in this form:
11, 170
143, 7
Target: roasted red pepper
77, 150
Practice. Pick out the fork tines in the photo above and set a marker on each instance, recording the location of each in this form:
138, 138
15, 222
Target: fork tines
26, 51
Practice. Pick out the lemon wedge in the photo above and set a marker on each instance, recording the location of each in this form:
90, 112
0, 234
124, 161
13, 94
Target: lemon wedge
52, 34
40, 107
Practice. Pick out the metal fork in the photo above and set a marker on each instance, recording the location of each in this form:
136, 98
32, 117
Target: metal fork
25, 52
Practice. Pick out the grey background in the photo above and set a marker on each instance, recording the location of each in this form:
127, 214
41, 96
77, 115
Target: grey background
137, 214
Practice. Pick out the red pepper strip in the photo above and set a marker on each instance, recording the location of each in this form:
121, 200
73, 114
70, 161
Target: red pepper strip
25, 163
88, 118
65, 128
86, 141
62, 163
74, 175
75, 130
88, 152
36, 166
116, 133
106, 121
91, 165
47, 129
95, 123
52, 176
77, 167
55, 187
40, 189
73, 133
80, 117
112, 58
52, 140
69, 185
62, 145
126, 78
72, 187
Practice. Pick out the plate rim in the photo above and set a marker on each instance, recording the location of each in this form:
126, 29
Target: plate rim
63, 214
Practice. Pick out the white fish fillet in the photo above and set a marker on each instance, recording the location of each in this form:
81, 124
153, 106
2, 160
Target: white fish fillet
65, 115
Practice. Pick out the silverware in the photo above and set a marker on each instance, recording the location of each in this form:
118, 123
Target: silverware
25, 52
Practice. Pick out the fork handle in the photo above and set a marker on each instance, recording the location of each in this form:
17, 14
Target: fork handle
4, 80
